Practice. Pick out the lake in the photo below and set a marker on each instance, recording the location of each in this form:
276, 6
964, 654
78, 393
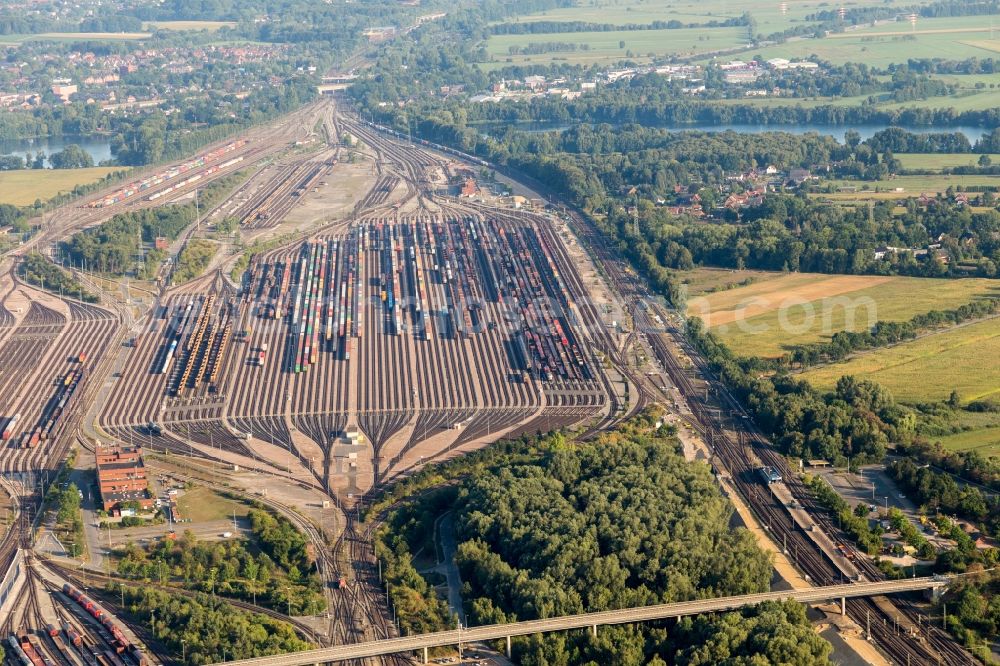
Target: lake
836, 131
99, 147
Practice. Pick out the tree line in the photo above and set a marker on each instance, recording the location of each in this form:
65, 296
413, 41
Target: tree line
858, 419
39, 271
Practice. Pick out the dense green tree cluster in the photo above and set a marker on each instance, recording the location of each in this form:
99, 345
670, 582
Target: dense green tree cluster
771, 633
970, 465
193, 259
971, 608
71, 157
207, 630
898, 140
411, 529
65, 501
14, 217
282, 541
867, 538
274, 568
621, 522
941, 492
117, 245
801, 234
39, 271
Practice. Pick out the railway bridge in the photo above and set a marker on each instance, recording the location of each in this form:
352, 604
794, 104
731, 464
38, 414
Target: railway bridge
421, 643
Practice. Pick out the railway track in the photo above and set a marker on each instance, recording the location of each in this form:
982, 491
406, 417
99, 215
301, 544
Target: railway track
74, 577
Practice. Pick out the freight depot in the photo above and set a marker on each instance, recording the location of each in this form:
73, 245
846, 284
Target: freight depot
456, 322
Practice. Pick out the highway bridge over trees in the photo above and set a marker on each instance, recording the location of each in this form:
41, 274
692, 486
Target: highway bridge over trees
421, 643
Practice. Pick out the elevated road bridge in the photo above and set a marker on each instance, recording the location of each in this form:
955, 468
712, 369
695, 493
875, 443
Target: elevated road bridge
423, 642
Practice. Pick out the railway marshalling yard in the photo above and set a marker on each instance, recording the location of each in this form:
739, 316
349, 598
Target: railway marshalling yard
380, 326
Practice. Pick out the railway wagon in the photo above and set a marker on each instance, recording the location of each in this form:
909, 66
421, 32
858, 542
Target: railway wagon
28, 650
769, 475
8, 429
75, 639
36, 647
15, 644
119, 641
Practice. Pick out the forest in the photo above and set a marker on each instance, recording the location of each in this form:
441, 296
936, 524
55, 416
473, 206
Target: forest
548, 525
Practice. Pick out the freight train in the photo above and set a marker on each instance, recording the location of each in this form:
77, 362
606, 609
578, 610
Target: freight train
138, 186
116, 638
57, 405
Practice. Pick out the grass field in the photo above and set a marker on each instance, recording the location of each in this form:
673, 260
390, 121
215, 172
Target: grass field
605, 46
984, 438
954, 38
771, 316
768, 16
211, 26
74, 37
938, 161
204, 504
929, 369
912, 186
23, 187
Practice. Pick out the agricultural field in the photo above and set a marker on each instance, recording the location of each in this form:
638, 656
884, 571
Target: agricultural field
953, 38
939, 161
980, 432
769, 17
703, 281
902, 187
210, 26
23, 187
771, 316
606, 47
929, 369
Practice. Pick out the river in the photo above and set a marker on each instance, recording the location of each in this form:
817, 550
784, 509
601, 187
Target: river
99, 147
